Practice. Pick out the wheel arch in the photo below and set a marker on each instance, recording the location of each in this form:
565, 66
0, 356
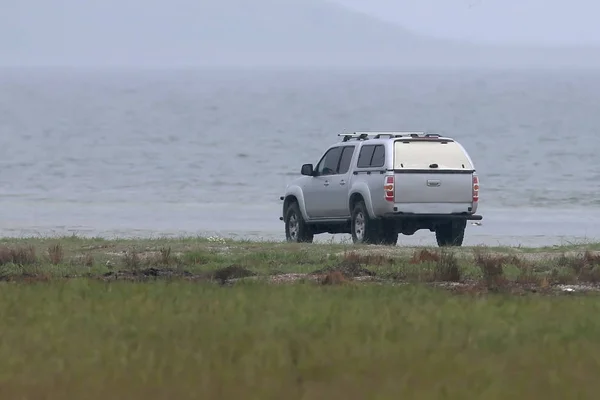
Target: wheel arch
295, 196
289, 199
361, 193
355, 198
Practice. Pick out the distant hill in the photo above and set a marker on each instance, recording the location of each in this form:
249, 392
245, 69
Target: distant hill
196, 31
235, 32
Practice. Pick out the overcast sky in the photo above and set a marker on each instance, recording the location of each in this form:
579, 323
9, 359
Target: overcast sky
507, 21
516, 21
120, 32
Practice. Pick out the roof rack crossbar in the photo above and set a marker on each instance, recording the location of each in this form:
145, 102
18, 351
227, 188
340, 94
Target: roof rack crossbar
376, 135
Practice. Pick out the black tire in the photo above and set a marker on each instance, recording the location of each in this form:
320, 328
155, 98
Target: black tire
363, 228
296, 229
451, 233
389, 236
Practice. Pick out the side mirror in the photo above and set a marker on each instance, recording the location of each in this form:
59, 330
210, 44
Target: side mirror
307, 169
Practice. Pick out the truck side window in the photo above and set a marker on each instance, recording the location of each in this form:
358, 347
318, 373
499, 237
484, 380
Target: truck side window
329, 163
347, 154
378, 159
371, 156
365, 155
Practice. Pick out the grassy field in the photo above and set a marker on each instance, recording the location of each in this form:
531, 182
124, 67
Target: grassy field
202, 318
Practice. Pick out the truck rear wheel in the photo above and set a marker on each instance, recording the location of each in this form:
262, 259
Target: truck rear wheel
451, 233
296, 229
389, 235
363, 228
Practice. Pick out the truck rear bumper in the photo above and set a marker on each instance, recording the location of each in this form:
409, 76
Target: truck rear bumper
462, 216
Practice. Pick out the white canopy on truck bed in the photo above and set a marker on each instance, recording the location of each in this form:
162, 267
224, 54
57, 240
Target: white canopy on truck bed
420, 154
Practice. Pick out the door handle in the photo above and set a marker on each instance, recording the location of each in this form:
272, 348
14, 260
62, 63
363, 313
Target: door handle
342, 182
326, 183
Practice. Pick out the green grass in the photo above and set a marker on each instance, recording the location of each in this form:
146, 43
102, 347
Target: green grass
87, 339
72, 327
78, 243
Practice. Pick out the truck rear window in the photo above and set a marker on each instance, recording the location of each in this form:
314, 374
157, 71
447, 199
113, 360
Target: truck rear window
415, 154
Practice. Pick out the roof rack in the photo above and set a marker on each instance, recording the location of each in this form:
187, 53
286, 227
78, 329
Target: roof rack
378, 135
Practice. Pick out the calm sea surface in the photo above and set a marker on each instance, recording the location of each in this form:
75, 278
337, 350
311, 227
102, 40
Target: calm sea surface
154, 153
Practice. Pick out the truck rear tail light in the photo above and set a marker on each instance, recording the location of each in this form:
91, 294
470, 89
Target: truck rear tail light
475, 188
389, 188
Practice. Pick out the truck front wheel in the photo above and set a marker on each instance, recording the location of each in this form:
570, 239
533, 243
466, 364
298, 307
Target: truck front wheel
296, 229
451, 233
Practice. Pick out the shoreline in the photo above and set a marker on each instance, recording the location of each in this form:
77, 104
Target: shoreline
326, 241
504, 227
475, 236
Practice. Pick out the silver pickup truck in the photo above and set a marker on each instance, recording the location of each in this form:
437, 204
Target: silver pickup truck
375, 185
